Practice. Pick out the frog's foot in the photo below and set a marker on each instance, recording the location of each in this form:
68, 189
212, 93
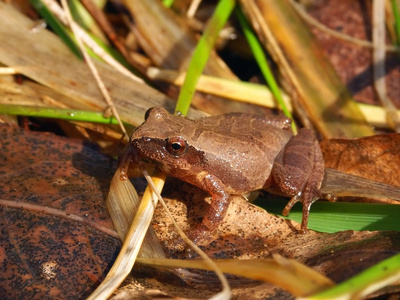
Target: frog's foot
306, 211
290, 204
198, 236
307, 197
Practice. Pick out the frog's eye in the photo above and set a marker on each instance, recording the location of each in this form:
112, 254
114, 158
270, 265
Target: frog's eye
176, 146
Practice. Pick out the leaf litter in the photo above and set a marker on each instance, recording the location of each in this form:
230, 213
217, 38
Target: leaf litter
43, 254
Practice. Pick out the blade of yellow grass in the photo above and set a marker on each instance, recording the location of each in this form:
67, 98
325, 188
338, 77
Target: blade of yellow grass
7, 71
379, 54
289, 274
131, 246
254, 93
122, 204
236, 90
375, 115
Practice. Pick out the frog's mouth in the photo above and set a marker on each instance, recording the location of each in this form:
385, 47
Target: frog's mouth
132, 164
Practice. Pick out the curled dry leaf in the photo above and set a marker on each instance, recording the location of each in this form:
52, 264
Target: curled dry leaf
375, 157
56, 239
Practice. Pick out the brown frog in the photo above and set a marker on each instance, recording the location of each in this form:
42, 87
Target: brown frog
228, 155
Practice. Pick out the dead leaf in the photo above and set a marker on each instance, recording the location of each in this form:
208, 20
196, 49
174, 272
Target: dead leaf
249, 232
55, 229
352, 62
375, 157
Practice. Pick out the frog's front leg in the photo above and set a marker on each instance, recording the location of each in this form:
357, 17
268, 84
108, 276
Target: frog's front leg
298, 172
217, 210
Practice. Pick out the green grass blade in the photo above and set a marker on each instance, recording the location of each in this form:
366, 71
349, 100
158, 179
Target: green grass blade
396, 15
262, 62
202, 53
62, 31
57, 113
333, 217
168, 3
372, 279
66, 35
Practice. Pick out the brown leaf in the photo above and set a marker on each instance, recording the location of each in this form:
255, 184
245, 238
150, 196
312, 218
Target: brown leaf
375, 157
55, 229
354, 63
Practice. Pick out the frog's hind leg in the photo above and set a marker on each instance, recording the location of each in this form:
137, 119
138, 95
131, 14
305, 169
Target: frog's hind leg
298, 172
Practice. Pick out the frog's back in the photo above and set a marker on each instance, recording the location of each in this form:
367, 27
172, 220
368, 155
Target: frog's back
241, 148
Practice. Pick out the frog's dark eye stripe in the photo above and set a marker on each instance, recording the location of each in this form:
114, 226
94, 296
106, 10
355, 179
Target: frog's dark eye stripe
176, 145
147, 114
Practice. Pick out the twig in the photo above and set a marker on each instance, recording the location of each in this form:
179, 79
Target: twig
58, 213
345, 37
194, 5
92, 67
378, 55
57, 11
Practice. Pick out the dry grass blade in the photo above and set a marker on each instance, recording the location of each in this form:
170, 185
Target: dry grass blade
231, 89
300, 280
92, 67
87, 39
343, 184
132, 244
311, 77
363, 43
379, 54
57, 212
7, 71
375, 115
52, 64
122, 204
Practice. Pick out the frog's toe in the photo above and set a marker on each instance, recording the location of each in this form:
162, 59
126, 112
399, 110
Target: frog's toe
291, 203
329, 197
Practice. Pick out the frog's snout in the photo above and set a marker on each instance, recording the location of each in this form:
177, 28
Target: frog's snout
128, 162
132, 164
